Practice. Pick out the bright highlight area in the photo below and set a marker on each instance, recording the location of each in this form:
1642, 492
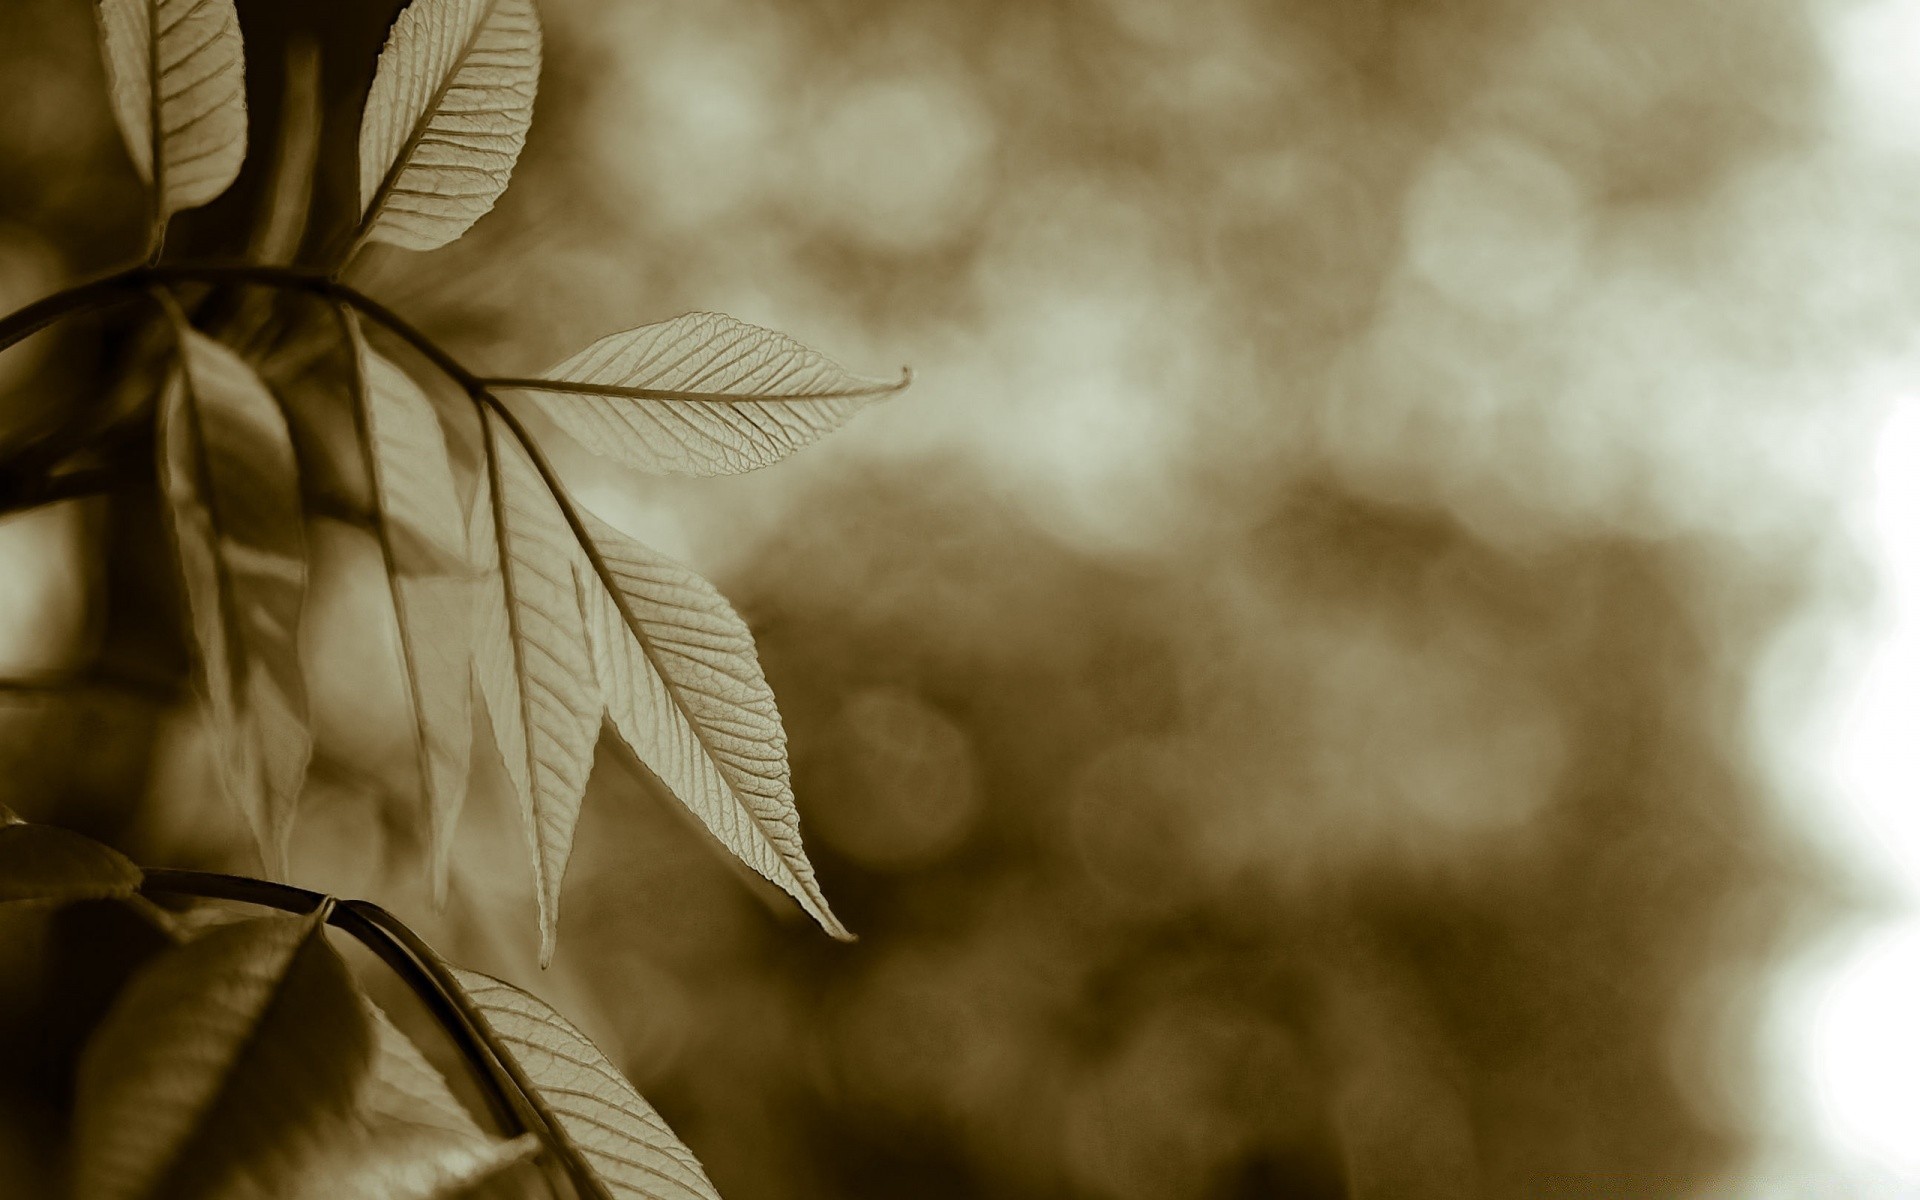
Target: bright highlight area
1864, 1041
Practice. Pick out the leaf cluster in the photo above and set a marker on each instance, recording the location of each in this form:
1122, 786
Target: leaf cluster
246, 1057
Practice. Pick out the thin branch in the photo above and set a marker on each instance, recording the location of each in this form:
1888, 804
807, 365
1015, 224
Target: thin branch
63, 684
404, 960
583, 1177
18, 495
23, 323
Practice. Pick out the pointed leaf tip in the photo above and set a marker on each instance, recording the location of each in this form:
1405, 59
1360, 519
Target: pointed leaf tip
682, 683
532, 659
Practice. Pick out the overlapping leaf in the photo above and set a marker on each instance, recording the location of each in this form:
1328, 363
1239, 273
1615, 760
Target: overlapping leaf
445, 120
677, 670
532, 659
45, 862
227, 472
224, 1058
616, 1131
247, 1065
702, 394
177, 79
422, 531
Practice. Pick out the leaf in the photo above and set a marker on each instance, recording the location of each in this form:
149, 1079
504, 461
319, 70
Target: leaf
532, 660
404, 1086
702, 394
177, 78
397, 1162
232, 491
448, 112
677, 669
222, 1059
423, 536
616, 1131
407, 1090
45, 862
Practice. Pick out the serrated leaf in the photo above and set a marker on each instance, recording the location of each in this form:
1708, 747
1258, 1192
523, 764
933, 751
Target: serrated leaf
616, 1131
702, 394
445, 120
222, 1060
682, 684
532, 659
233, 498
421, 527
45, 862
177, 79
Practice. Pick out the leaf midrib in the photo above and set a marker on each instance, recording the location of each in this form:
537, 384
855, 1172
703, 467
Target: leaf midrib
676, 692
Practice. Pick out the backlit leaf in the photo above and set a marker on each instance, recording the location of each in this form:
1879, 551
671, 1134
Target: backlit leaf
421, 527
177, 79
451, 102
223, 1060
45, 862
404, 1086
615, 1130
232, 493
532, 660
702, 394
677, 669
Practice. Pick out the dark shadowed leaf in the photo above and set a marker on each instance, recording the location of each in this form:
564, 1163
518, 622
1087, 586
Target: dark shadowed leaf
532, 659
227, 1058
703, 394
176, 76
232, 491
451, 102
677, 670
44, 862
616, 1131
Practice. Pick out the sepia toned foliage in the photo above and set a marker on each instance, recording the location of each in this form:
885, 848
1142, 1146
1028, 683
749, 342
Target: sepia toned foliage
243, 1056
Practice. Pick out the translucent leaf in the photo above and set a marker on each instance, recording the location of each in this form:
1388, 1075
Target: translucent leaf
422, 530
223, 1059
702, 394
177, 79
395, 1161
616, 1131
532, 660
233, 499
681, 681
404, 1086
445, 119
44, 862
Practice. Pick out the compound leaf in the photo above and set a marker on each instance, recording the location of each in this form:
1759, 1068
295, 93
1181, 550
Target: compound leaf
702, 394
233, 497
451, 101
177, 78
680, 679
45, 862
615, 1130
422, 529
532, 659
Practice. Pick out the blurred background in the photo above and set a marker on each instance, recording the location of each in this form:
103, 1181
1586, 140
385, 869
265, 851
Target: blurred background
1379, 658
